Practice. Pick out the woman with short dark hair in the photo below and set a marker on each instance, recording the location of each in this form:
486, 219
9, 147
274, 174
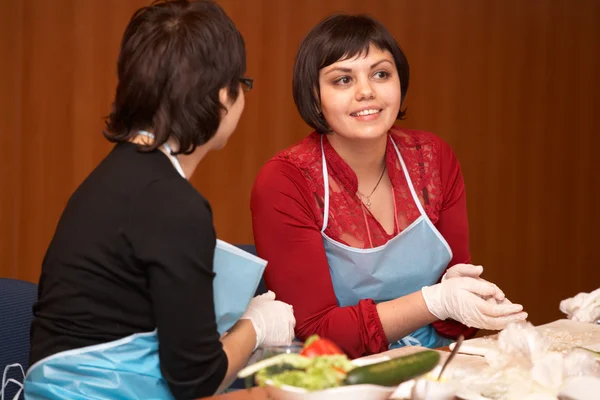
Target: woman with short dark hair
364, 216
126, 304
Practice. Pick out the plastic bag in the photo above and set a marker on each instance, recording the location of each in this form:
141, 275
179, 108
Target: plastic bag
524, 368
584, 307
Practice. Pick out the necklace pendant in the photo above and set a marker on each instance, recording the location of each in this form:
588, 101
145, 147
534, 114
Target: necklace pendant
368, 204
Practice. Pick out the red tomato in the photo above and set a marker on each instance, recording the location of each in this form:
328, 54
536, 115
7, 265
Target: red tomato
320, 347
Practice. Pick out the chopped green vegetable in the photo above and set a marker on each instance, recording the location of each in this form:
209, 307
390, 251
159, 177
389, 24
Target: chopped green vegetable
321, 373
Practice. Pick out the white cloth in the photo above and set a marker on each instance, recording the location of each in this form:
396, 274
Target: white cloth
585, 307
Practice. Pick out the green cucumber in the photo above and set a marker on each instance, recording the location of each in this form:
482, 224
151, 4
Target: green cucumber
395, 371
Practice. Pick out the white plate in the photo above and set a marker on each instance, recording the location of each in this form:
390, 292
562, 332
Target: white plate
447, 389
358, 392
366, 392
562, 334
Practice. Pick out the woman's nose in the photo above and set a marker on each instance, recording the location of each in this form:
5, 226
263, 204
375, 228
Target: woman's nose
364, 90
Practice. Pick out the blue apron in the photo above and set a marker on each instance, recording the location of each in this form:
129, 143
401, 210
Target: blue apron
416, 257
129, 368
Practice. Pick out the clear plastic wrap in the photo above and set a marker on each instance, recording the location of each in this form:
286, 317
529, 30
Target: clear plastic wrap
584, 307
523, 367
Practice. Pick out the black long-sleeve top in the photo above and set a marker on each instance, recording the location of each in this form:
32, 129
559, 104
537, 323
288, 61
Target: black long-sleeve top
133, 252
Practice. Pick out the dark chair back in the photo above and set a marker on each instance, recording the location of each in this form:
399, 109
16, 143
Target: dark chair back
250, 248
16, 312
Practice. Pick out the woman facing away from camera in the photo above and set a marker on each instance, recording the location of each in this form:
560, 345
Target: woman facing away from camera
126, 307
364, 224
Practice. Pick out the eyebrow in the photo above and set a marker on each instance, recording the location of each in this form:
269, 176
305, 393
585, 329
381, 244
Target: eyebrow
348, 70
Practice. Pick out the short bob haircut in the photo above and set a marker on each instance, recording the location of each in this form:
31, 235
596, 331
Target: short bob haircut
339, 37
174, 59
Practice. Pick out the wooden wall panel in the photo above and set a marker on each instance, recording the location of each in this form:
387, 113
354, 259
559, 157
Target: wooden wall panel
10, 128
512, 85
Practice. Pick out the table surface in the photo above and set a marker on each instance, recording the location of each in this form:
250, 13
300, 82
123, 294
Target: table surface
257, 393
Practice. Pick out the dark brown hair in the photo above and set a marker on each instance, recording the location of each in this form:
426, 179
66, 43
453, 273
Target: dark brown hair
175, 57
338, 37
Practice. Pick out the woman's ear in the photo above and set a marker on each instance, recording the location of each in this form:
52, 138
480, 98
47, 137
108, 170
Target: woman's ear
224, 97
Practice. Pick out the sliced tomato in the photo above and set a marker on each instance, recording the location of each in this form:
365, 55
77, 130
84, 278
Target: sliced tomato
316, 346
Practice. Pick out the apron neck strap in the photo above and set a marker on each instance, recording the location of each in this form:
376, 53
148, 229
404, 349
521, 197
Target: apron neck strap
169, 153
326, 187
408, 180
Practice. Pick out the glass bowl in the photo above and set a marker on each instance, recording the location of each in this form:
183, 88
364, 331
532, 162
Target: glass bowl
270, 351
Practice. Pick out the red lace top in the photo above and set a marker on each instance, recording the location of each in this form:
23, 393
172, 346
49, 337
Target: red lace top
287, 215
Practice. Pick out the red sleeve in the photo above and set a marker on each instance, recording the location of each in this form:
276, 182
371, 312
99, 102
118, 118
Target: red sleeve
287, 236
453, 224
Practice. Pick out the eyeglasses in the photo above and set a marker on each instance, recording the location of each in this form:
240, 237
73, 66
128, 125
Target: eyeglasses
247, 83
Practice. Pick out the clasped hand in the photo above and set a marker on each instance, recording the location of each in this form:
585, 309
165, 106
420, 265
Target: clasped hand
464, 296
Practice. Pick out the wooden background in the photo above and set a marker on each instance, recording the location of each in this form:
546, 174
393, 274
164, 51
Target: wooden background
512, 85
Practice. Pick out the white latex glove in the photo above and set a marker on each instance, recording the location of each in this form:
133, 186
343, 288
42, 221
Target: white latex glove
463, 299
458, 270
273, 320
472, 271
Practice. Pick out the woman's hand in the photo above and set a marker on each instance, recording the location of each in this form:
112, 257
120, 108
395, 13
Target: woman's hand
468, 270
464, 299
273, 320
473, 271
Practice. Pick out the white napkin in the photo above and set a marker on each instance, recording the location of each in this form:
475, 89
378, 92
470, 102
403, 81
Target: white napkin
581, 388
585, 307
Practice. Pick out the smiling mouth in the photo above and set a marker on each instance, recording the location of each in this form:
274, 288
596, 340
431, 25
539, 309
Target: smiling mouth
366, 112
